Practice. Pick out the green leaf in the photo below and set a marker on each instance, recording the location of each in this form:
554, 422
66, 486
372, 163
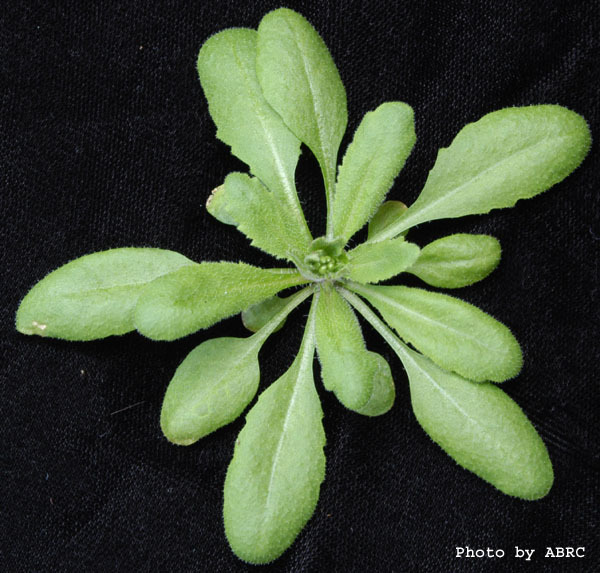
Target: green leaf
454, 334
480, 427
509, 154
477, 424
259, 314
386, 216
381, 145
198, 296
272, 484
357, 377
94, 296
216, 381
375, 262
383, 390
300, 80
245, 202
457, 260
216, 205
246, 122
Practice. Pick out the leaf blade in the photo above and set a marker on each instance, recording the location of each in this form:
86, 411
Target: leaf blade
361, 380
509, 154
479, 414
376, 262
457, 260
385, 217
257, 212
273, 481
480, 427
217, 380
198, 296
256, 316
94, 296
454, 334
381, 145
301, 82
246, 122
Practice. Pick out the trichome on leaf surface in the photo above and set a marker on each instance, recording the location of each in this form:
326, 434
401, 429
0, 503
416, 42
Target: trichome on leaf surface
269, 91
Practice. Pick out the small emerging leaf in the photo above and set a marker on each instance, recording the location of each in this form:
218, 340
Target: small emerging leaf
94, 296
454, 334
196, 297
300, 81
509, 154
246, 122
357, 377
457, 260
480, 427
259, 314
216, 381
257, 212
376, 262
273, 481
381, 145
383, 392
386, 216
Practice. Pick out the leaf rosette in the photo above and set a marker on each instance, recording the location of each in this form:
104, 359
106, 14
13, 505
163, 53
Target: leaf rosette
269, 91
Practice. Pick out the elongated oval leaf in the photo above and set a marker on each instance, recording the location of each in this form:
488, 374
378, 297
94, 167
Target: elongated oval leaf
387, 215
381, 145
257, 212
376, 262
454, 334
246, 122
509, 154
480, 427
94, 296
211, 388
273, 481
300, 80
347, 368
475, 423
457, 260
217, 380
198, 296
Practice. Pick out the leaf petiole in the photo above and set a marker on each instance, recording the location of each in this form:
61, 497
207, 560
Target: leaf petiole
295, 300
398, 347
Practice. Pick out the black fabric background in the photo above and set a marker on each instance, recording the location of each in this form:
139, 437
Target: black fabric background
106, 141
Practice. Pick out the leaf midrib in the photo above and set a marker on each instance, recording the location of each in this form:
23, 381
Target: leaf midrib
457, 406
281, 172
447, 195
